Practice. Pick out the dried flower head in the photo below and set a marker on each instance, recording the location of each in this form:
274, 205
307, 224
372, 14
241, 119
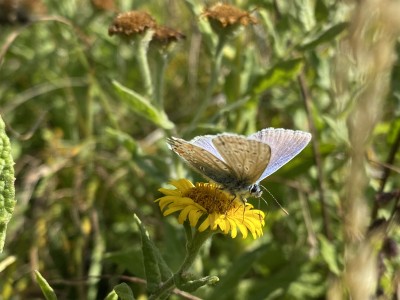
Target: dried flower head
131, 23
225, 15
206, 206
13, 11
164, 36
104, 5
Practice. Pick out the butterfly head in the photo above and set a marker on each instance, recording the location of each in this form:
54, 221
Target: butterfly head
255, 190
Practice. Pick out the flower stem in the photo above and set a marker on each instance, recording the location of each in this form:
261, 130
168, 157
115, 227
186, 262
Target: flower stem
142, 47
192, 249
159, 90
216, 66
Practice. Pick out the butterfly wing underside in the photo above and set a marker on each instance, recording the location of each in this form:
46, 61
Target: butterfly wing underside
246, 157
285, 144
201, 160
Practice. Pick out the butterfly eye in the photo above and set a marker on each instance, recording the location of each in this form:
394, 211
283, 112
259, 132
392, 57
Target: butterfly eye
255, 190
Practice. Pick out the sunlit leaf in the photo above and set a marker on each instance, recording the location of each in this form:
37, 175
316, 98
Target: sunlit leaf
7, 191
142, 106
124, 291
280, 74
47, 290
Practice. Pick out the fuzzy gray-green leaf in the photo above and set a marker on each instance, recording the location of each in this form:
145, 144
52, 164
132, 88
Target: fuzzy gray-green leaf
142, 106
7, 191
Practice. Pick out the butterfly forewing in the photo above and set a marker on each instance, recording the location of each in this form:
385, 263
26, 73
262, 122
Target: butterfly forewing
202, 160
285, 144
246, 157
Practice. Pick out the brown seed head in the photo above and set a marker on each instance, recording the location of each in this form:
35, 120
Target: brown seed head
13, 11
165, 35
228, 15
104, 5
131, 23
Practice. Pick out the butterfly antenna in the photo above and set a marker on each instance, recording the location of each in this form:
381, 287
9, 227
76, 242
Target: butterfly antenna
284, 210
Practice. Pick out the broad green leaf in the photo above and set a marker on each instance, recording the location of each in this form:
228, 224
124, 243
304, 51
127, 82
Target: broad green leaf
111, 296
142, 106
155, 267
235, 272
123, 138
47, 290
7, 191
124, 291
280, 74
329, 254
124, 260
326, 36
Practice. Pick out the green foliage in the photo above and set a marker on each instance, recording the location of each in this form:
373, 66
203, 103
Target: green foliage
47, 290
7, 191
88, 138
124, 292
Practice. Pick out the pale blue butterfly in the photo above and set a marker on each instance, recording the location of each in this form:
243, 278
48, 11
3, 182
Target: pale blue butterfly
238, 163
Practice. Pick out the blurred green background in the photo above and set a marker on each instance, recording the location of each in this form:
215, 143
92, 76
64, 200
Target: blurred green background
88, 155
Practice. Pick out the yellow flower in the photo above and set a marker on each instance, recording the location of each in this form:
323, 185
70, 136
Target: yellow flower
206, 205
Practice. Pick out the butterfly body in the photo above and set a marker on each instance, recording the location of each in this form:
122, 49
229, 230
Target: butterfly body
238, 163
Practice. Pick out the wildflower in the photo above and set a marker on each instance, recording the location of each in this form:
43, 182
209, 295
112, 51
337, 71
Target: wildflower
164, 36
104, 5
205, 205
225, 17
24, 11
131, 23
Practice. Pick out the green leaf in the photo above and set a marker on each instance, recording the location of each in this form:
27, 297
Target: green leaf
236, 271
124, 291
154, 265
111, 296
280, 74
47, 290
7, 191
123, 138
329, 254
142, 106
325, 37
124, 260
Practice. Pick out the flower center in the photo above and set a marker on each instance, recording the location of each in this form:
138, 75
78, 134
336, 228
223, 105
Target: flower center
211, 197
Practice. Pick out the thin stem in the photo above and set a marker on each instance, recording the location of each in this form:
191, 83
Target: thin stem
192, 250
317, 157
142, 47
386, 172
159, 89
215, 68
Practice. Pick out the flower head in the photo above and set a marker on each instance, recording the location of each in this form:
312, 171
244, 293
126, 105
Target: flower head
131, 23
165, 36
225, 18
205, 205
24, 11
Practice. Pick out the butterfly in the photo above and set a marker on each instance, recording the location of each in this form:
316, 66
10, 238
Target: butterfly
238, 163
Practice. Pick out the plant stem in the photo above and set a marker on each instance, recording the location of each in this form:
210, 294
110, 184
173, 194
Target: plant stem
192, 250
142, 47
317, 157
215, 68
159, 89
386, 172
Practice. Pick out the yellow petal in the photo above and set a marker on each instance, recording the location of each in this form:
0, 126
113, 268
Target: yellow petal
194, 216
171, 210
205, 224
243, 229
169, 192
233, 228
183, 215
182, 184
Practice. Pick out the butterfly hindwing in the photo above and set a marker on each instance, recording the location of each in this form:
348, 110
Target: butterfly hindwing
285, 144
202, 160
246, 157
